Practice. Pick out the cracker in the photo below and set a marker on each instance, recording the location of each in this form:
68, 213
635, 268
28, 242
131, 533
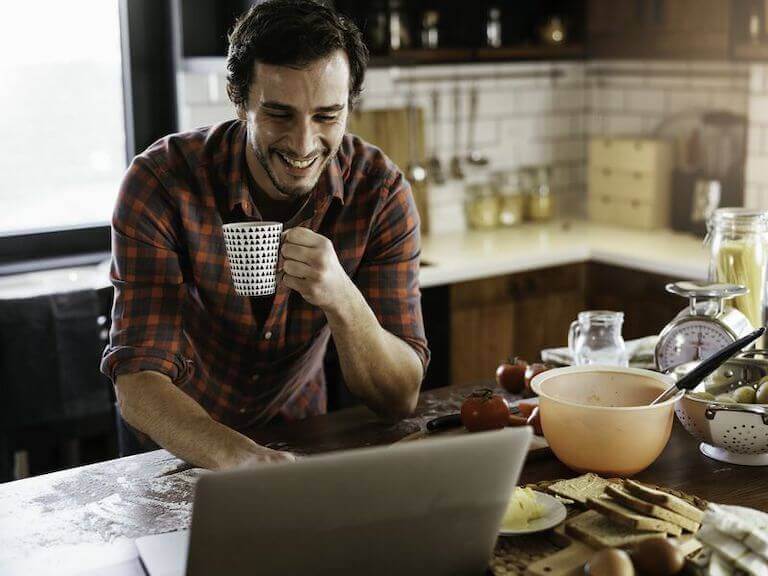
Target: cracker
580, 488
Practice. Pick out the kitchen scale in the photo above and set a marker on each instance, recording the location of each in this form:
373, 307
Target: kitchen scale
704, 327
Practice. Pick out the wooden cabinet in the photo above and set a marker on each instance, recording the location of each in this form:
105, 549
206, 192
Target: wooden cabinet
521, 314
688, 29
477, 324
647, 306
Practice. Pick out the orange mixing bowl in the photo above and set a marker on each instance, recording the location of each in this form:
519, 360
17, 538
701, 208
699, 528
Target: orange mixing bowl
597, 418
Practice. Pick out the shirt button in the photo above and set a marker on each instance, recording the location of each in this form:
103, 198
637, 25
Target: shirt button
267, 335
242, 410
254, 378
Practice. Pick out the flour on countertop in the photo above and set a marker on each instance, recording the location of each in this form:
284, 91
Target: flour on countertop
132, 502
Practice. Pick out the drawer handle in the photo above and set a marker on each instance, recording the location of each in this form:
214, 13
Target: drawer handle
606, 171
635, 204
638, 175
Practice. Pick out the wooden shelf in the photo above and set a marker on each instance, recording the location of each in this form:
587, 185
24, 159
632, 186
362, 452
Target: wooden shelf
750, 52
419, 57
531, 52
456, 55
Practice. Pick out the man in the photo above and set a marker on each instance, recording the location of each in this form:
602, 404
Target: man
192, 361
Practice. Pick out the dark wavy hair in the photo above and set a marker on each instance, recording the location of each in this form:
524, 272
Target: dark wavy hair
291, 33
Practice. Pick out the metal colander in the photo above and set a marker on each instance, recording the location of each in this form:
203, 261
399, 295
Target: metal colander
735, 433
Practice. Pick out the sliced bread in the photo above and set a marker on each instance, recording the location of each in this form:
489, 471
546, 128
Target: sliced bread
649, 509
666, 500
628, 517
599, 531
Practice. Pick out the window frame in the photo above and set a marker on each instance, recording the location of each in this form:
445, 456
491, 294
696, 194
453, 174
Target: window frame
149, 38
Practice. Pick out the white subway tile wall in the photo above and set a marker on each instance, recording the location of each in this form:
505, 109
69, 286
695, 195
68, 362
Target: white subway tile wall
756, 191
527, 116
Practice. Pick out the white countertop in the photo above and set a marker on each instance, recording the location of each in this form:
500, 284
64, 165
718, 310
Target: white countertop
471, 255
462, 256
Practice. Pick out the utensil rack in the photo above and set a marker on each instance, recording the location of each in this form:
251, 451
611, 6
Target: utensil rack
553, 75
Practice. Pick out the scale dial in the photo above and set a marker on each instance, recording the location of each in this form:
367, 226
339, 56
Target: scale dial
691, 340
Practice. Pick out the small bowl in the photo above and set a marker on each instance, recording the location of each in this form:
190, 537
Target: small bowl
598, 418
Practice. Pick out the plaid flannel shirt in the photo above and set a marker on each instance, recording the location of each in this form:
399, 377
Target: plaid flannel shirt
247, 360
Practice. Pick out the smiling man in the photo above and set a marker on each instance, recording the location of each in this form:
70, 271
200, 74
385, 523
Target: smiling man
194, 363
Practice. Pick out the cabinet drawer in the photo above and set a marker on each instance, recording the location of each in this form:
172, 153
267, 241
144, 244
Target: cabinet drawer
623, 184
641, 155
637, 214
602, 208
630, 212
637, 185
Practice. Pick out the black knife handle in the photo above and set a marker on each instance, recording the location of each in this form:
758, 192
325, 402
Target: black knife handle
444, 422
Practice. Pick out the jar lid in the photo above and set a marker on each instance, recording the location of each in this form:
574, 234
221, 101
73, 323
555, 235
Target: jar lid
739, 220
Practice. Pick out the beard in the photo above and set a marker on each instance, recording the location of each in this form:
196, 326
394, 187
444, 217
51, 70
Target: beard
284, 186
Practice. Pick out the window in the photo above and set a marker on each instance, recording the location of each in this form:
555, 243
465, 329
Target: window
62, 150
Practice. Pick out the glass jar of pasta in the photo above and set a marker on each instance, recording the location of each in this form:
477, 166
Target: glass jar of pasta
738, 243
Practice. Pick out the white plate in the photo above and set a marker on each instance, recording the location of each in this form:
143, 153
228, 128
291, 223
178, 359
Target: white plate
554, 513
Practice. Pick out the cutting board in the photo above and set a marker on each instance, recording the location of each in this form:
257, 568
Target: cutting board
570, 560
388, 129
556, 553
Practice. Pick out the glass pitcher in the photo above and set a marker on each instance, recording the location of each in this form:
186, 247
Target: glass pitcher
595, 338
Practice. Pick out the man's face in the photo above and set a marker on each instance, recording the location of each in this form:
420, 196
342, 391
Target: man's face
296, 120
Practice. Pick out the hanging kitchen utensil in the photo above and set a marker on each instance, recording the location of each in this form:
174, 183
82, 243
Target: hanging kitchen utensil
434, 168
456, 170
416, 172
695, 376
474, 156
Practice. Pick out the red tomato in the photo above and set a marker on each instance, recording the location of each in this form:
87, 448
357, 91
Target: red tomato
535, 420
526, 408
510, 375
484, 410
533, 370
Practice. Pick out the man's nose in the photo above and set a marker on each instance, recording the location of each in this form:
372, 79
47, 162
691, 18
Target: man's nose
303, 138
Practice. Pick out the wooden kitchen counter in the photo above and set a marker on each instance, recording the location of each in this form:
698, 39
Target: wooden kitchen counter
87, 517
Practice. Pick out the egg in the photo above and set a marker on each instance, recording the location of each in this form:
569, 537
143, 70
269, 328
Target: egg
658, 557
610, 562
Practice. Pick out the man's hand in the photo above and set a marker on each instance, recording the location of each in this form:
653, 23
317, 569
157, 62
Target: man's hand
259, 455
311, 267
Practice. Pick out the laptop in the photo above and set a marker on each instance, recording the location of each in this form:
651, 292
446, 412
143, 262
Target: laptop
427, 507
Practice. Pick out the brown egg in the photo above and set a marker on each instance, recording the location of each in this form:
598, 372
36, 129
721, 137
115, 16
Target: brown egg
610, 562
658, 557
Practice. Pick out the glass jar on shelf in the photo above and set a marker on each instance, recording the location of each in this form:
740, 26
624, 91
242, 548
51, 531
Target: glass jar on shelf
511, 199
539, 198
430, 32
738, 244
482, 204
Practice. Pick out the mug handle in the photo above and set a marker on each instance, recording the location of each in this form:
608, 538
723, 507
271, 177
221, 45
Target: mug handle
573, 333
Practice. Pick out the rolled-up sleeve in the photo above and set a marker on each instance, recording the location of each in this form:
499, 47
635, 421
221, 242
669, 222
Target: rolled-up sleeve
146, 273
388, 276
